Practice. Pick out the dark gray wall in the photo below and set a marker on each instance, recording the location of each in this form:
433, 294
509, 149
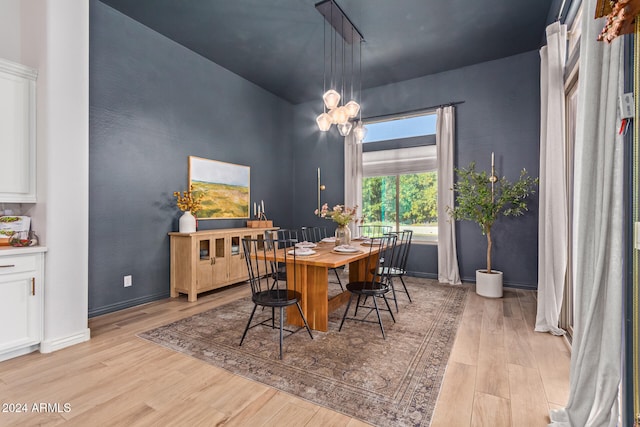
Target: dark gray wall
501, 113
152, 104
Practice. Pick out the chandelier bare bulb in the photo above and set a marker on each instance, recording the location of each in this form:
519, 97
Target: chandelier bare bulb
339, 115
324, 122
344, 128
352, 108
360, 132
334, 115
331, 99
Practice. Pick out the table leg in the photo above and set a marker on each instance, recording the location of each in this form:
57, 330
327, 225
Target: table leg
358, 270
312, 283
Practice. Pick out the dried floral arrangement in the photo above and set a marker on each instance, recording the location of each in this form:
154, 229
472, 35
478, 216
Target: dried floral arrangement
188, 200
340, 214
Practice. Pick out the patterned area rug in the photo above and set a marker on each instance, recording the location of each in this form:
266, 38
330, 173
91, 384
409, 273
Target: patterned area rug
392, 382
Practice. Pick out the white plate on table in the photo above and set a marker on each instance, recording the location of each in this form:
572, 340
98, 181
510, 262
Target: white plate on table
301, 252
329, 240
346, 249
305, 245
369, 242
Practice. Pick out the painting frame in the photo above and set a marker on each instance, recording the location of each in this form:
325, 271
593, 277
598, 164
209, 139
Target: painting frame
226, 188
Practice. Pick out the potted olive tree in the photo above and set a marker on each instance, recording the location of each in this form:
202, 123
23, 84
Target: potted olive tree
482, 198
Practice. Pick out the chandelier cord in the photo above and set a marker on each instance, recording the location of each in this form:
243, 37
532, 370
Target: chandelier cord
333, 41
352, 73
343, 63
360, 78
324, 61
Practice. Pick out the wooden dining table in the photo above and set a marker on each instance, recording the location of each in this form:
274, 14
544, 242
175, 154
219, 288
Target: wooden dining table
312, 281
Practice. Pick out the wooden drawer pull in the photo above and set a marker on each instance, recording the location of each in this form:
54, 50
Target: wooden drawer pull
7, 266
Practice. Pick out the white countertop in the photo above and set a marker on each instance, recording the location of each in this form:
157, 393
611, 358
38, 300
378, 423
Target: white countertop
10, 250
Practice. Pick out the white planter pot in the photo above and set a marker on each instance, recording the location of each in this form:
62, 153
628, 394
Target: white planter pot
489, 285
187, 223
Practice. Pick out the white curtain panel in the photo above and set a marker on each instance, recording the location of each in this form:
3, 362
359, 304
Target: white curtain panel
553, 222
448, 271
598, 236
353, 176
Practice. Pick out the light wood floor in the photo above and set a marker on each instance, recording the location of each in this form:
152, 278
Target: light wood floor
501, 373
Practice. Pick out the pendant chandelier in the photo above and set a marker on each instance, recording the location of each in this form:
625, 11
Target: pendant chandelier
342, 75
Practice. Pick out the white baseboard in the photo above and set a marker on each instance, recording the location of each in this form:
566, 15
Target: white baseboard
49, 346
18, 352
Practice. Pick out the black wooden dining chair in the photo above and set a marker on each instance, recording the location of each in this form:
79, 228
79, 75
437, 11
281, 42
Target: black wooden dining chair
315, 235
283, 236
268, 289
287, 235
373, 230
397, 267
376, 285
308, 234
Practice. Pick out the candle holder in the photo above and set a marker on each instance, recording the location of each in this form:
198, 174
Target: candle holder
493, 178
260, 222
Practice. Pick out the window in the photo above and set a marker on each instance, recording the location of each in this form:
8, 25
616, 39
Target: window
408, 127
400, 179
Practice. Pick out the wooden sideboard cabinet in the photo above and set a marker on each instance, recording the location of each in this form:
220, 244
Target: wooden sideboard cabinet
208, 259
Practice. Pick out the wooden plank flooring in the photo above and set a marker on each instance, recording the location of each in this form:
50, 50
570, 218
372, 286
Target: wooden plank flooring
517, 375
501, 373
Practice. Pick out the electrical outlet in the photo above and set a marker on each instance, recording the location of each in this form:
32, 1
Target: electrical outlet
626, 106
128, 281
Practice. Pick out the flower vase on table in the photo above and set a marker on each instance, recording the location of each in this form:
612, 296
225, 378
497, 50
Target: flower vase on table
343, 216
343, 235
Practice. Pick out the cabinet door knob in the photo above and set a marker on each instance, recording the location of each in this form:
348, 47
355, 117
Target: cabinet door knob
33, 286
213, 260
7, 266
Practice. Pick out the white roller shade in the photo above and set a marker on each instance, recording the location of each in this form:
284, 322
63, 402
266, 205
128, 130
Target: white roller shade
400, 161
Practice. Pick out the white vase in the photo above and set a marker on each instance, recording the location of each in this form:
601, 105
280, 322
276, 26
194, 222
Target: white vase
187, 223
489, 285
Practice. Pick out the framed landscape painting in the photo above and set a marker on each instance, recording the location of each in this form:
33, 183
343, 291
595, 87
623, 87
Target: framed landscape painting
225, 187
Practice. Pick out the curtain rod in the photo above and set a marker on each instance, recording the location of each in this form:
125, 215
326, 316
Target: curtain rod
418, 110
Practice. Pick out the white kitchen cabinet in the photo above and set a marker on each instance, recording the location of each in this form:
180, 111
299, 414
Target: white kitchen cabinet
21, 304
17, 133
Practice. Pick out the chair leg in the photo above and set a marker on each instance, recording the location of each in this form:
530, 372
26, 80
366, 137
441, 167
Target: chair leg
281, 328
346, 311
355, 313
335, 270
393, 290
249, 322
389, 308
405, 288
304, 319
379, 318
273, 318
